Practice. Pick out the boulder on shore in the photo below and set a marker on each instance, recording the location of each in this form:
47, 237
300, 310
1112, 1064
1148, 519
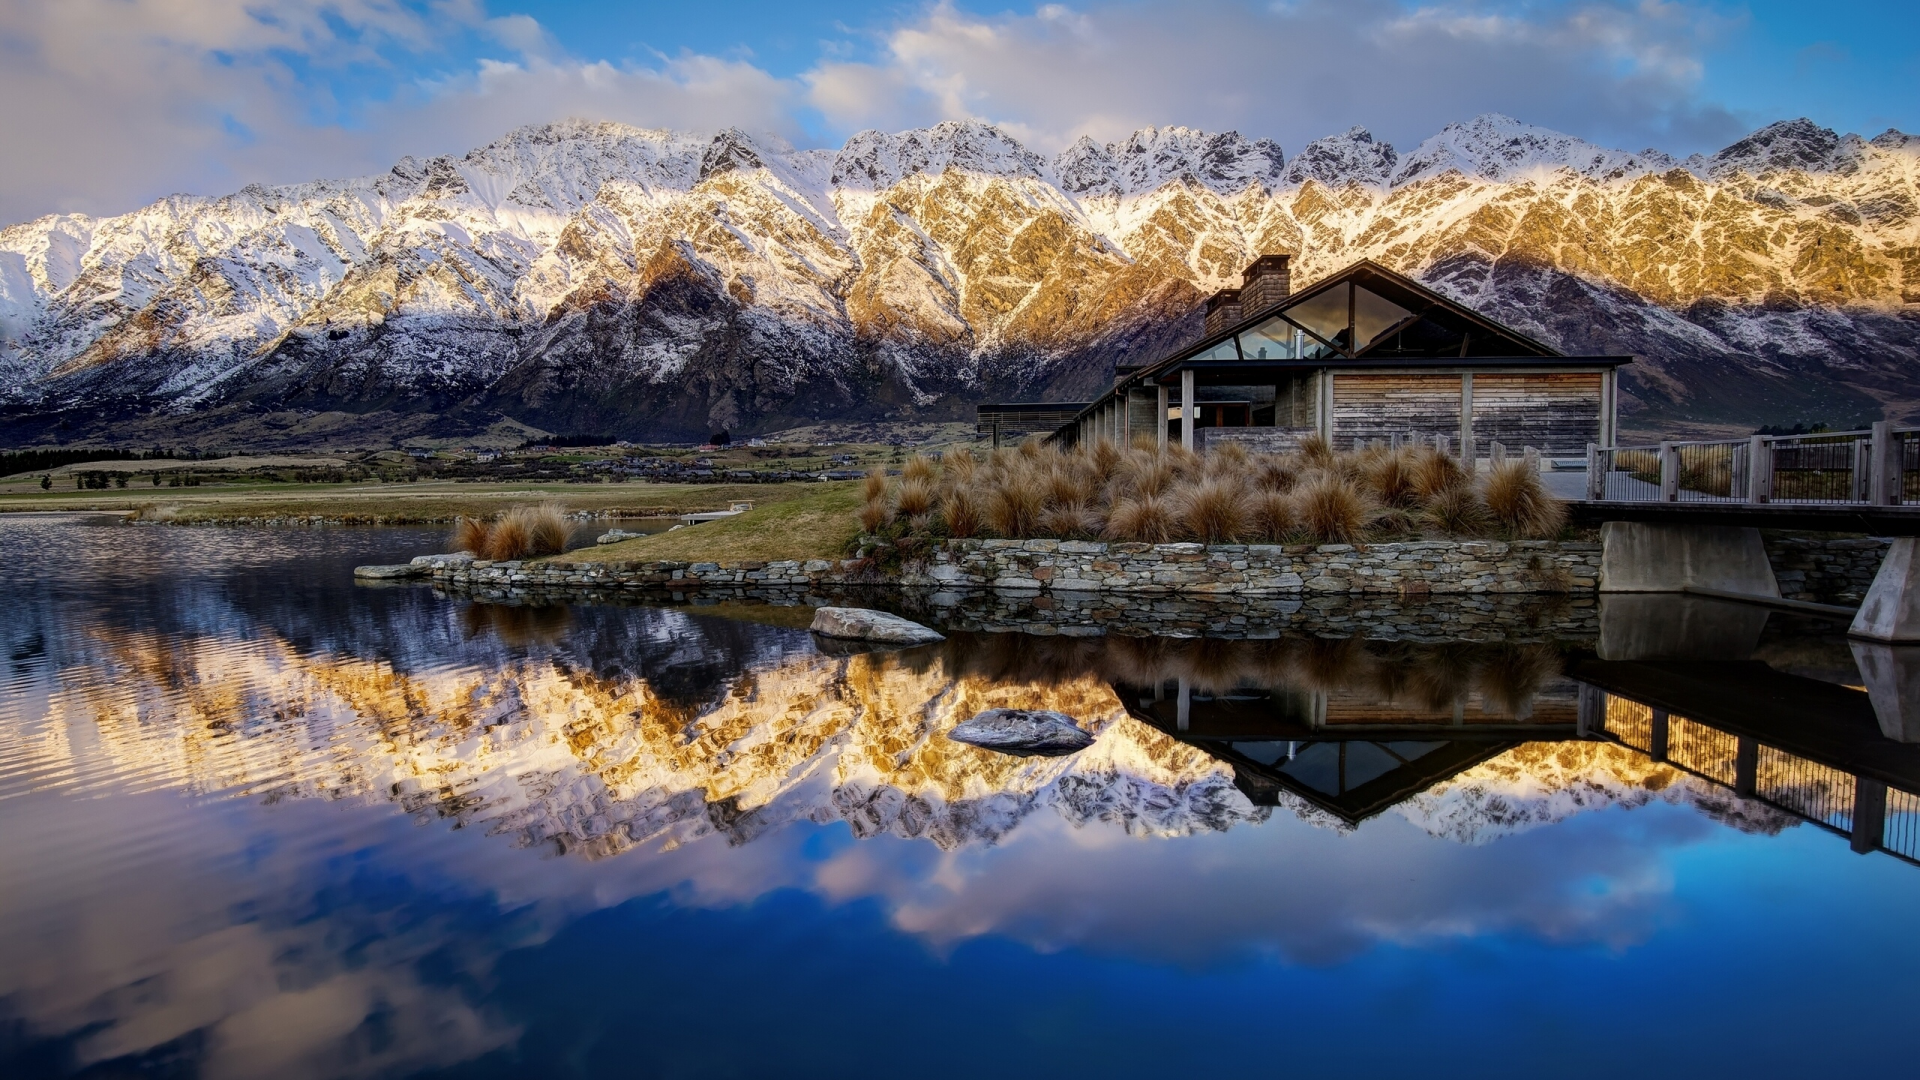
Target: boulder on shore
862, 624
1023, 732
384, 573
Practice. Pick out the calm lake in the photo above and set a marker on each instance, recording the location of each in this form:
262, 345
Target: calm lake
258, 821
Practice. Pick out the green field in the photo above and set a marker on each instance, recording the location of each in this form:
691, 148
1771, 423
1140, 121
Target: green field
815, 524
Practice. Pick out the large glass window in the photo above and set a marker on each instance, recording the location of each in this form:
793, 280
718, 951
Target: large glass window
1374, 315
1222, 351
1324, 313
1274, 339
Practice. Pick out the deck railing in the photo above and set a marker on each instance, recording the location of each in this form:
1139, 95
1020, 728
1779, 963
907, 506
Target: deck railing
1876, 467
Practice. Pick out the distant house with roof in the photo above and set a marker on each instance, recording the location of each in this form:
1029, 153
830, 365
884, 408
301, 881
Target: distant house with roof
1362, 354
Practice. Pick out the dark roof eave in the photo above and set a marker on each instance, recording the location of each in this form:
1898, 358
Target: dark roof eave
1170, 374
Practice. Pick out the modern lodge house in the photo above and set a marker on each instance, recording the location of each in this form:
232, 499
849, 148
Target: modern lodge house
1362, 354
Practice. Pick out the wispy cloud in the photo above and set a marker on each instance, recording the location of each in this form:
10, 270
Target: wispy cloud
116, 101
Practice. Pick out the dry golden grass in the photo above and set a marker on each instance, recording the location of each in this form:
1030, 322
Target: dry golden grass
1143, 520
508, 539
470, 534
1146, 494
1331, 510
1520, 503
1460, 511
1213, 511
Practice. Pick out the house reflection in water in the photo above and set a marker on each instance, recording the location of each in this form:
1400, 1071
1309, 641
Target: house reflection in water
1392, 726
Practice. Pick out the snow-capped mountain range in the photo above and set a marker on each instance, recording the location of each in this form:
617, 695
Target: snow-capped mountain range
593, 277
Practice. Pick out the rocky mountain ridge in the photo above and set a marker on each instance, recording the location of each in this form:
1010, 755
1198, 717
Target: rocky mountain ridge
597, 277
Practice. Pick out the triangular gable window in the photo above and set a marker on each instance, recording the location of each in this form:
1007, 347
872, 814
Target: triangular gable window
1324, 314
1275, 339
1374, 315
1222, 351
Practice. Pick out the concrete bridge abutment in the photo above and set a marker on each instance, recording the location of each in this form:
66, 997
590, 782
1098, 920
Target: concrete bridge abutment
1637, 557
1891, 610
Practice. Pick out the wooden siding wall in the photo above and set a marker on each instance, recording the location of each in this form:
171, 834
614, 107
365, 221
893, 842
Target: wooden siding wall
1381, 406
1555, 412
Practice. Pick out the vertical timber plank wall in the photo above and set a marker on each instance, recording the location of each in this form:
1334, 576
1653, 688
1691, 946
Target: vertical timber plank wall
1554, 411
1381, 406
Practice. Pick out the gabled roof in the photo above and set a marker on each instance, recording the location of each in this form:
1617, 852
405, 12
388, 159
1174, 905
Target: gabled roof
1371, 304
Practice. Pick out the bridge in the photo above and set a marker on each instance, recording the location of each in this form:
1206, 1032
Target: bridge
1683, 516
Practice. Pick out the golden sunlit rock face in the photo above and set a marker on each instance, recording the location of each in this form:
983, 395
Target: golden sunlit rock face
564, 266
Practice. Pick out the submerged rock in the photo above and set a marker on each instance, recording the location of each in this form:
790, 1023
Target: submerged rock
384, 573
862, 624
1024, 732
614, 536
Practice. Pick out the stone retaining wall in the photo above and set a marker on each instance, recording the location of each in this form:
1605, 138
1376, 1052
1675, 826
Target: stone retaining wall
1825, 571
1066, 566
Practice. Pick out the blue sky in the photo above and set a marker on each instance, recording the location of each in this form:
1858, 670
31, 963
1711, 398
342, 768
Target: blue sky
118, 101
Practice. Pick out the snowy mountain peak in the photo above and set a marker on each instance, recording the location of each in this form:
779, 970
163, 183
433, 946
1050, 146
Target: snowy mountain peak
1790, 144
1339, 159
1496, 147
876, 160
1152, 157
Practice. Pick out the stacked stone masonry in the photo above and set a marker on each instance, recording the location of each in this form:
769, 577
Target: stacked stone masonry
1067, 566
1825, 571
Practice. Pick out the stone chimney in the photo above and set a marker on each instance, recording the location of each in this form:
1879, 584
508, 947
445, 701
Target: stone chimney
1265, 283
1223, 310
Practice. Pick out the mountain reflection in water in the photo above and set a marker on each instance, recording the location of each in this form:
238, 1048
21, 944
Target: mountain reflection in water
259, 822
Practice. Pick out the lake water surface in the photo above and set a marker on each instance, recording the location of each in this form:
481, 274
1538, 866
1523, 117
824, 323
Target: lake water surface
258, 821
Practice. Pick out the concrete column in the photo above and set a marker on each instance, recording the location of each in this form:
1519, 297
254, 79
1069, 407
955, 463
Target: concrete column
1669, 472
1160, 424
1658, 730
1188, 414
1636, 557
1183, 708
1869, 814
1126, 416
1891, 674
1891, 611
1466, 420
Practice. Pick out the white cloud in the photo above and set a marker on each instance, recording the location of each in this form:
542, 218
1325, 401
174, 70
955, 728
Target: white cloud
1294, 71
114, 102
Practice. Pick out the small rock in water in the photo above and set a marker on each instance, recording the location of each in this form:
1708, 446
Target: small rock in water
865, 625
400, 570
457, 558
1023, 732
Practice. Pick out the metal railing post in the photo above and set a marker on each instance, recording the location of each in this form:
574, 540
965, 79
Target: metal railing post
1759, 469
1596, 478
1886, 465
1669, 472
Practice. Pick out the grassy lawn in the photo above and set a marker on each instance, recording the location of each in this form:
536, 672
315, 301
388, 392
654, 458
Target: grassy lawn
818, 524
401, 503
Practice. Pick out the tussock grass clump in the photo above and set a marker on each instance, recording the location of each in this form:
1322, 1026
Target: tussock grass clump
1213, 511
470, 535
525, 532
1332, 511
1143, 520
1520, 503
1151, 494
522, 532
1272, 517
1459, 511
